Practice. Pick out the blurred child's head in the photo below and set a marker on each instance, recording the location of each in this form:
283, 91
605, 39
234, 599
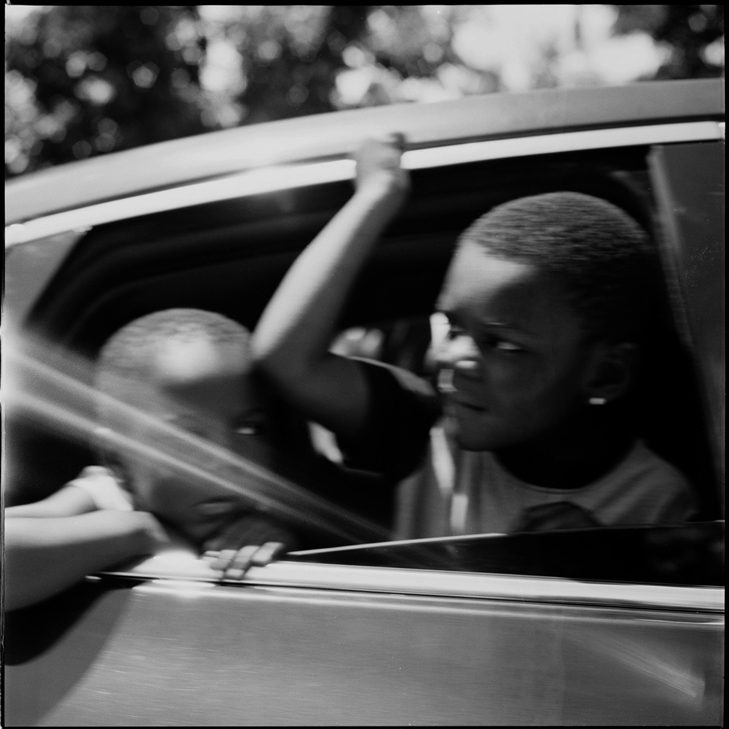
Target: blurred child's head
546, 298
189, 369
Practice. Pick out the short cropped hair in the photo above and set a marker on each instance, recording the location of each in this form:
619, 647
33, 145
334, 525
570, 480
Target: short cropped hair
129, 354
599, 254
126, 360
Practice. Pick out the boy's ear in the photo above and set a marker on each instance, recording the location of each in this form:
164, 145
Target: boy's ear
610, 372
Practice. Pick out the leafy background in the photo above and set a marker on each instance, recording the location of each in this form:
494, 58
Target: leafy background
82, 81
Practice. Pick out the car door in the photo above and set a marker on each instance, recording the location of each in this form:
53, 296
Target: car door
336, 638
356, 636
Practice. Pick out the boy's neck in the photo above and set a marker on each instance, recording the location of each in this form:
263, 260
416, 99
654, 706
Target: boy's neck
570, 461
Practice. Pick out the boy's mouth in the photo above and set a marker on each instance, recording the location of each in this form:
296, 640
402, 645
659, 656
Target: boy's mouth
469, 406
456, 402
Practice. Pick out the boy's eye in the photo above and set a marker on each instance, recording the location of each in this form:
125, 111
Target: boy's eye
502, 345
248, 426
454, 332
505, 346
249, 429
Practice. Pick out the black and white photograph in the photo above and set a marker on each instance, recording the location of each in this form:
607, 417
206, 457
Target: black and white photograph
363, 365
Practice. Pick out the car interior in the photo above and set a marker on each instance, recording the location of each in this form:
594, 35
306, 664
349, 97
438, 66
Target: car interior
229, 257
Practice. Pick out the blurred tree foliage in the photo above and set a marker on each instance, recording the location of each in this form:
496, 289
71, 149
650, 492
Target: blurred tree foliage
101, 78
686, 30
290, 56
87, 80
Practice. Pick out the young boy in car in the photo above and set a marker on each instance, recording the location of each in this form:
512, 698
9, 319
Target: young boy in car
544, 297
231, 449
188, 438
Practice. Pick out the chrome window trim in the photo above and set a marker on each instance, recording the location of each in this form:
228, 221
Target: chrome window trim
271, 179
182, 566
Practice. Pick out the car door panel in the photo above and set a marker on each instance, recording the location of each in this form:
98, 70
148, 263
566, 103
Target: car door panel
165, 652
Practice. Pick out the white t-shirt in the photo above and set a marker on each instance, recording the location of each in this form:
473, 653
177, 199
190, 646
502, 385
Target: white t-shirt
99, 483
479, 496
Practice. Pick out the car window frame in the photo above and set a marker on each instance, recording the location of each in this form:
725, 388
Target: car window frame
271, 179
53, 226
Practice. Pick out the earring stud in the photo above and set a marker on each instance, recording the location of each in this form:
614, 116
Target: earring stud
597, 400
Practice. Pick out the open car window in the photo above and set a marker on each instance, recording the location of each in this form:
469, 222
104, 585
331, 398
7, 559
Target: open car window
229, 256
689, 555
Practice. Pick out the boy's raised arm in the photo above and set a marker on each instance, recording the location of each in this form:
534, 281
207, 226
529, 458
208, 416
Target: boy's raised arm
291, 342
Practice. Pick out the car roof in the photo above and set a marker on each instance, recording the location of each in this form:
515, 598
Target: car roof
336, 134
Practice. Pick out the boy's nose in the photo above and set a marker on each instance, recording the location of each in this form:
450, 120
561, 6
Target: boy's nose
459, 351
458, 354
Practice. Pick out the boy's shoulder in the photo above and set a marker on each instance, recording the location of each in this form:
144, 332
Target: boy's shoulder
644, 462
401, 409
657, 486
